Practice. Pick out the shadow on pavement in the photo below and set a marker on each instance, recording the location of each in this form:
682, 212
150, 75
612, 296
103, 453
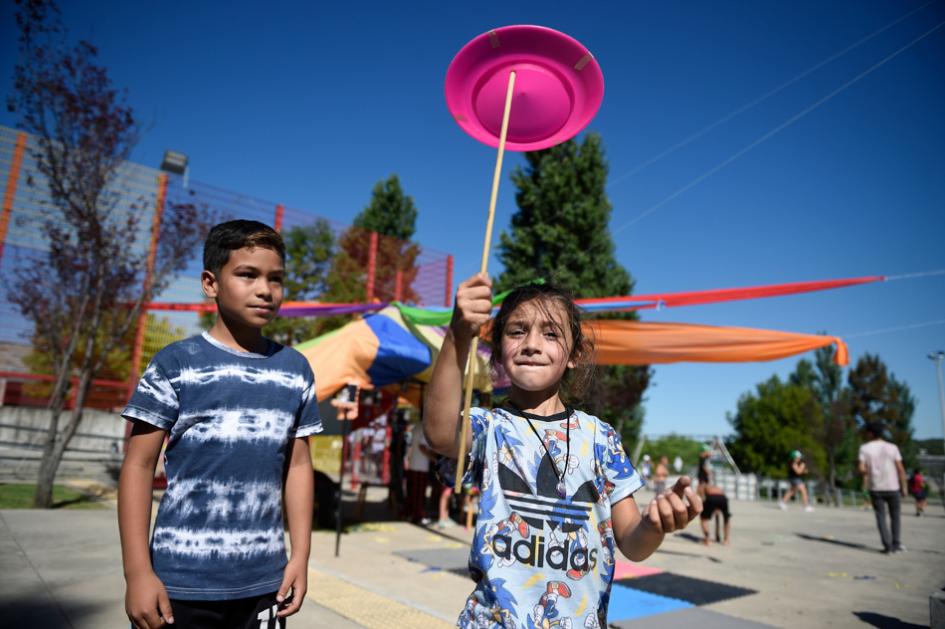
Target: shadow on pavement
885, 622
837, 542
37, 611
681, 554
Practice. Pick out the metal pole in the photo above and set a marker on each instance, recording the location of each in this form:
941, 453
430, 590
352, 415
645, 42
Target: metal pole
938, 357
341, 479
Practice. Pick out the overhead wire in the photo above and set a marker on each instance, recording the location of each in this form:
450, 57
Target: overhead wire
776, 130
900, 328
760, 99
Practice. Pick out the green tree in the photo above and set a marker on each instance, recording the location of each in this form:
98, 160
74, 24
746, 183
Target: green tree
875, 395
309, 251
824, 379
392, 215
673, 445
561, 233
561, 230
390, 211
777, 418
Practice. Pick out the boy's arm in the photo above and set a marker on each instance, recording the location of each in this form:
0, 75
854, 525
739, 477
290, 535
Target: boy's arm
146, 600
299, 504
639, 535
443, 399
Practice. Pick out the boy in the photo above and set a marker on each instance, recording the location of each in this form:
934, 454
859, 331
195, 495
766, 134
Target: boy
236, 409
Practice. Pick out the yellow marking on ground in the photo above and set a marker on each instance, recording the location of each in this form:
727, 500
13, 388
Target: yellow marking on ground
535, 578
580, 609
381, 540
366, 607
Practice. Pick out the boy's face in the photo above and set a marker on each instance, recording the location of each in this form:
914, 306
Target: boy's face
248, 289
536, 345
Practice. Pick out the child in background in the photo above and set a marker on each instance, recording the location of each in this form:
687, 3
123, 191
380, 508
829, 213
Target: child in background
716, 502
661, 474
236, 409
797, 470
556, 485
917, 489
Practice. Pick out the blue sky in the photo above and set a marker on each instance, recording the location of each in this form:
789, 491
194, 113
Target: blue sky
310, 104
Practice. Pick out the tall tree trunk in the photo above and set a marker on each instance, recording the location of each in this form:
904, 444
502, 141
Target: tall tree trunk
56, 448
832, 476
56, 442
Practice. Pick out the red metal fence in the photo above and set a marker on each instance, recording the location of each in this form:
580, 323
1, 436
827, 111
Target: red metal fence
378, 267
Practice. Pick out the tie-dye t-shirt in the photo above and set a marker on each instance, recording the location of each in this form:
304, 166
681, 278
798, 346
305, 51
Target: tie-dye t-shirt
230, 416
543, 555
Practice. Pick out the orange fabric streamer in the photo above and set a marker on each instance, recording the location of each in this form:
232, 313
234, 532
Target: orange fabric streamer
637, 343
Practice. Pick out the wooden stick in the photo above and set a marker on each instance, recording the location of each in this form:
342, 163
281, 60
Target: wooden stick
474, 346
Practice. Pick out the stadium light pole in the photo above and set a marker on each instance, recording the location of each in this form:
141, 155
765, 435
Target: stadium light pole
938, 357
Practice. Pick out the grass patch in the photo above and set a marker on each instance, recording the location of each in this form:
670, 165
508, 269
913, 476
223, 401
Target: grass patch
20, 496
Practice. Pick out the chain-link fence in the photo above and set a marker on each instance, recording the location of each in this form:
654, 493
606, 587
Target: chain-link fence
364, 266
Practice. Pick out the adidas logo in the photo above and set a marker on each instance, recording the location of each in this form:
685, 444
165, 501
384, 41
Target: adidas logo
566, 514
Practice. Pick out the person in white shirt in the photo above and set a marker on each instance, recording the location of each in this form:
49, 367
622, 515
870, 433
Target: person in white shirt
885, 478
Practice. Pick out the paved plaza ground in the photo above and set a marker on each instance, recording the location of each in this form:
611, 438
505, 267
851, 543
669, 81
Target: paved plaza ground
784, 569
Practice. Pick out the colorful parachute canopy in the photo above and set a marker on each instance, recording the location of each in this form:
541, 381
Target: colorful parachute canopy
637, 343
385, 348
378, 350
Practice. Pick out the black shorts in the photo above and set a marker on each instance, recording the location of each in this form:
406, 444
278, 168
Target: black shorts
713, 503
257, 612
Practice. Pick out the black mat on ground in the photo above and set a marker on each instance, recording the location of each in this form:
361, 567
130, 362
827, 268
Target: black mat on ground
695, 591
449, 559
691, 618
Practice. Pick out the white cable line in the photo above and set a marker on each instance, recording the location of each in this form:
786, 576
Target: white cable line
909, 276
774, 131
764, 97
899, 328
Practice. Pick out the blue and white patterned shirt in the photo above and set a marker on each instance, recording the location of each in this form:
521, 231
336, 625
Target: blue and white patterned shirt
544, 553
231, 417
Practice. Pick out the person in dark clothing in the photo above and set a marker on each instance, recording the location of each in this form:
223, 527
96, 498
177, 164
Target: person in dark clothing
716, 502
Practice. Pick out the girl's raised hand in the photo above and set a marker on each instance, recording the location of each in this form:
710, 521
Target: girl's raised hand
673, 510
473, 307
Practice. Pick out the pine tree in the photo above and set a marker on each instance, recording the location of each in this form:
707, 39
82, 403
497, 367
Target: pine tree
877, 396
308, 251
561, 230
561, 233
392, 215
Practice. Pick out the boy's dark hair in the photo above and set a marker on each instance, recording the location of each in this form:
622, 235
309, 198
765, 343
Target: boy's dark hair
232, 235
575, 380
875, 429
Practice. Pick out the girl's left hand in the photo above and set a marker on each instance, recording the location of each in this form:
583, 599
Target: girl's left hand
674, 509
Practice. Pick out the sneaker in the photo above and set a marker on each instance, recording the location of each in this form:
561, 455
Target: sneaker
781, 505
899, 549
808, 508
445, 523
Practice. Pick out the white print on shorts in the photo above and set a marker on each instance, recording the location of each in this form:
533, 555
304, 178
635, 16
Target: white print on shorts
265, 615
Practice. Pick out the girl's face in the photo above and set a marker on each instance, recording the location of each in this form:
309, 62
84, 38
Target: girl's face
536, 346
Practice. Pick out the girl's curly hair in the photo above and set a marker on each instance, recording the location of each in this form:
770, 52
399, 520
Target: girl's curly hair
546, 296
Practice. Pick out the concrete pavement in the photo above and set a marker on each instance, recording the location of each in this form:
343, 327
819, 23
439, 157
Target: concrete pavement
785, 569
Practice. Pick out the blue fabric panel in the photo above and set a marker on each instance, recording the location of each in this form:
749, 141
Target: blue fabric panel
400, 354
628, 603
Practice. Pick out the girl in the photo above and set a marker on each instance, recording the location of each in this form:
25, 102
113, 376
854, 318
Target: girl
556, 486
797, 469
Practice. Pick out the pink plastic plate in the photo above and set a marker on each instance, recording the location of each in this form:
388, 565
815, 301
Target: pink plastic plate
558, 87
